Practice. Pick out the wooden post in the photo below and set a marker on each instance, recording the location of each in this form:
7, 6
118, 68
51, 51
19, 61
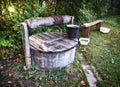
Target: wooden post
26, 45
72, 19
85, 31
98, 25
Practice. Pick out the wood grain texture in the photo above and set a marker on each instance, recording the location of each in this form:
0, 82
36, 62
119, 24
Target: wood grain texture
42, 42
92, 23
48, 21
86, 27
26, 45
52, 50
51, 42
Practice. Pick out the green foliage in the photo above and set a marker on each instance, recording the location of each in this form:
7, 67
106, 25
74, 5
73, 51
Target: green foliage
114, 7
84, 11
10, 20
86, 15
99, 7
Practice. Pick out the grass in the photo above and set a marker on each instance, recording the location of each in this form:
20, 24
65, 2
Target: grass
102, 54
70, 76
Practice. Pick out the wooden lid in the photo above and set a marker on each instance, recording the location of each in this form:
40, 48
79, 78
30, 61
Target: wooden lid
51, 42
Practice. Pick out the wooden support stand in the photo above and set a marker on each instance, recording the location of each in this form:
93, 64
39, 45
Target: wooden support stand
86, 27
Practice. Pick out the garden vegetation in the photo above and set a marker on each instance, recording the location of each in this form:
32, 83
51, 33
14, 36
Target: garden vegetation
13, 12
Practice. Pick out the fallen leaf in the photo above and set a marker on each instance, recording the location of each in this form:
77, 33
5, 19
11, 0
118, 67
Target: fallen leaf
25, 68
83, 83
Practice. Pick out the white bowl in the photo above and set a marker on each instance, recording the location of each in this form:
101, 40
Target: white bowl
104, 30
84, 41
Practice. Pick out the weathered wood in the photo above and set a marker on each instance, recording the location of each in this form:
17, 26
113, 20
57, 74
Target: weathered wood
98, 25
52, 50
47, 21
86, 27
85, 31
40, 44
92, 23
88, 72
26, 44
51, 42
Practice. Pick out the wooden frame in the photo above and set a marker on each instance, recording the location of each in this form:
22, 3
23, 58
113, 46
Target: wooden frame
39, 22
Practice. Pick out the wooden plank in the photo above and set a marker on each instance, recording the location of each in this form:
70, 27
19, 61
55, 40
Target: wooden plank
46, 39
57, 34
38, 43
43, 37
92, 23
59, 43
48, 21
88, 72
49, 36
34, 46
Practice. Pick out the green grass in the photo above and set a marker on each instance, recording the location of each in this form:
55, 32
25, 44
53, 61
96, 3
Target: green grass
103, 52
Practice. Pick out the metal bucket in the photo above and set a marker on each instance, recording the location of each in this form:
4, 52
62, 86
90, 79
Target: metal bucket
72, 31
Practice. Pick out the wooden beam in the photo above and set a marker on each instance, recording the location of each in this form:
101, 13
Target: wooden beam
48, 21
26, 45
92, 23
85, 31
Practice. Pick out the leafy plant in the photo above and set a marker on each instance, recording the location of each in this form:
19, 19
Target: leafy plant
86, 15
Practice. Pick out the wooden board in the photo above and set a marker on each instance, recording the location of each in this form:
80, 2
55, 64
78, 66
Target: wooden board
48, 21
51, 42
92, 23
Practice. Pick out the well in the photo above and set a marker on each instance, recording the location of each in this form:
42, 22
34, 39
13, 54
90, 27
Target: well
52, 50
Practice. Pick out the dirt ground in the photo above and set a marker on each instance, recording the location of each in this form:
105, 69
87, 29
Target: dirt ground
9, 74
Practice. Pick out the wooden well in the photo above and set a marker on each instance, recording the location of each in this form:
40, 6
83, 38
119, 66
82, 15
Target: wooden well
42, 49
52, 50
